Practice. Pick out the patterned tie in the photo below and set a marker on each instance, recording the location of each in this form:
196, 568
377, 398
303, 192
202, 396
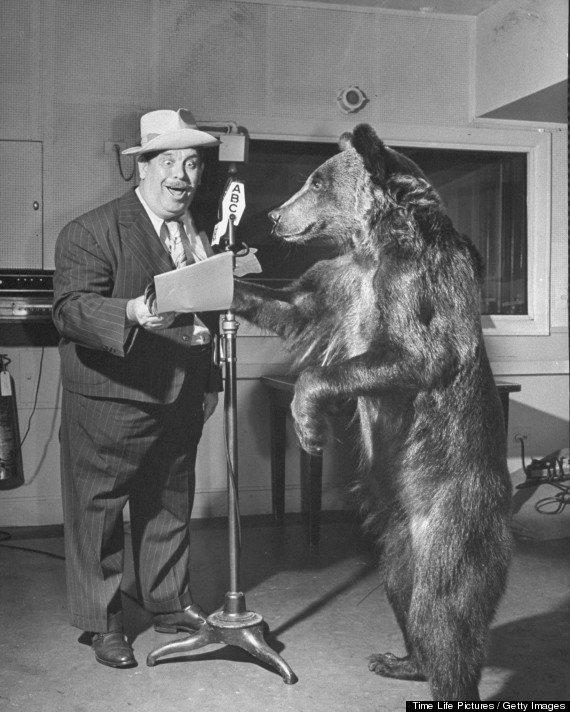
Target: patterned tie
175, 242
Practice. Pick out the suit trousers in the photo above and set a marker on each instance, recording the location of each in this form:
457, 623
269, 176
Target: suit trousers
118, 451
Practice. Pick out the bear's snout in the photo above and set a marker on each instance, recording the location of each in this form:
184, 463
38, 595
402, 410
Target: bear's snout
274, 215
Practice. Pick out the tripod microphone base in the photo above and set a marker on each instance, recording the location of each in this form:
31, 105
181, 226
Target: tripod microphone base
234, 625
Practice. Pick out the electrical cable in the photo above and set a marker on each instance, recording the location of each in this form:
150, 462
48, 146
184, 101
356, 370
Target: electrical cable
233, 484
33, 551
559, 500
6, 536
40, 369
118, 155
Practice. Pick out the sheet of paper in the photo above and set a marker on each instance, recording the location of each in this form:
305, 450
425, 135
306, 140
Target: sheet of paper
247, 264
203, 286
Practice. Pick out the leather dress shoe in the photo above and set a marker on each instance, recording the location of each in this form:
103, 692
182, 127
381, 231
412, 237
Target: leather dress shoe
113, 649
190, 619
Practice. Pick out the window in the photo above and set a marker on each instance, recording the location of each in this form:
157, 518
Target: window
495, 185
485, 195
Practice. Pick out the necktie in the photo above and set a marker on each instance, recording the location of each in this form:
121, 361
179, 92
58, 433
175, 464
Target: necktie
175, 242
182, 254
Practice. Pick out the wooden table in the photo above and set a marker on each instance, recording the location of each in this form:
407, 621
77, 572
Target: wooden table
280, 390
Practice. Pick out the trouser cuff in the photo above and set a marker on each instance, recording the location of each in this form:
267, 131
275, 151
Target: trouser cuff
111, 623
178, 603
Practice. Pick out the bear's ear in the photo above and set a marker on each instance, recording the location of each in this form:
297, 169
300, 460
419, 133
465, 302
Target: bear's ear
372, 151
345, 141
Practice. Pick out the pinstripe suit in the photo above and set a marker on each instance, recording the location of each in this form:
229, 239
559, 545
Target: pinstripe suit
131, 417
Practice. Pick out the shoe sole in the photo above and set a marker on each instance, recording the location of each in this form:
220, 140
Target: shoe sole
174, 629
127, 664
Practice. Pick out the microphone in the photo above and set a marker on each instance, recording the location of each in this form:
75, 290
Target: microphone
232, 204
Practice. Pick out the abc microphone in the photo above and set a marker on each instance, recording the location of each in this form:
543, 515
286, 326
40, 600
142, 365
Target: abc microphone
232, 206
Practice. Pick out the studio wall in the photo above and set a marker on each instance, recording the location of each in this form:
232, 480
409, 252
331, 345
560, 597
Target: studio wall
76, 76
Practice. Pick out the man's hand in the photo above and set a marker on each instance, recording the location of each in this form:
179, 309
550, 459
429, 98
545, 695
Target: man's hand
210, 403
139, 313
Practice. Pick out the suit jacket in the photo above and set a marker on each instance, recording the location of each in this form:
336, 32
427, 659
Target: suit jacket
103, 259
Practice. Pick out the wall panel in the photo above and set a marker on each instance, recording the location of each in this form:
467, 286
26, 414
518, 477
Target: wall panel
99, 49
235, 59
78, 73
521, 48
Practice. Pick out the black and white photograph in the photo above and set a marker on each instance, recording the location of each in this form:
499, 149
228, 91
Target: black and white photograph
284, 356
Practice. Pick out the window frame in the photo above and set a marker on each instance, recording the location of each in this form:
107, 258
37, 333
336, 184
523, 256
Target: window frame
535, 143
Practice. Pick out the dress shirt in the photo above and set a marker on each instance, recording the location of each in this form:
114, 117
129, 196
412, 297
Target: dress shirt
199, 246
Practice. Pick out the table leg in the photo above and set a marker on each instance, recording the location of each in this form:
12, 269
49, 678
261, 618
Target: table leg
278, 416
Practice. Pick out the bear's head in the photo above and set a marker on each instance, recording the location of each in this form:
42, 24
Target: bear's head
352, 192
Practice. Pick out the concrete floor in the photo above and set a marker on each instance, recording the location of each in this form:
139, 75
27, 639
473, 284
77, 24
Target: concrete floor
325, 614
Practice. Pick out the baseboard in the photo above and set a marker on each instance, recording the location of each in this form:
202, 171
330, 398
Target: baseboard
46, 531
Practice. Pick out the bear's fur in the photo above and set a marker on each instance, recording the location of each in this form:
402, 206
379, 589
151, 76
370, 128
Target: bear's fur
392, 326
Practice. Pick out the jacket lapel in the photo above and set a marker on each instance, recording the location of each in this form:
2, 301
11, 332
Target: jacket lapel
139, 237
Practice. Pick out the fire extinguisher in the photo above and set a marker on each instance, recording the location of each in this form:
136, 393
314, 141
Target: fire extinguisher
11, 467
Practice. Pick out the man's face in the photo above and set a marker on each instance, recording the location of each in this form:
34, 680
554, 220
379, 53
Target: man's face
169, 181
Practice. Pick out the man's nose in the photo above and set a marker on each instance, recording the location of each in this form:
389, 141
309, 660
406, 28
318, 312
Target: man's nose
178, 171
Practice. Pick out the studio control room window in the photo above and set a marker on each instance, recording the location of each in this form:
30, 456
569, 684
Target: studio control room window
485, 196
486, 193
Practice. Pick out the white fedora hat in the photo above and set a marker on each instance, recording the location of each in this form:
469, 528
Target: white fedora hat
165, 129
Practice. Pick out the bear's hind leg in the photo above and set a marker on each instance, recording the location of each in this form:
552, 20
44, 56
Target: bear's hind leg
450, 644
389, 665
465, 693
451, 612
398, 584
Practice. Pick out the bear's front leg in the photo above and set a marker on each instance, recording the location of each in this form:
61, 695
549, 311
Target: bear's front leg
308, 411
267, 308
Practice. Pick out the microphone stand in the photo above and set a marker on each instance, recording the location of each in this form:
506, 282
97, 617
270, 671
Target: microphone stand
234, 624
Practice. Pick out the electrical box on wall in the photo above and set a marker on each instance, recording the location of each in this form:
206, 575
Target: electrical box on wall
233, 147
21, 206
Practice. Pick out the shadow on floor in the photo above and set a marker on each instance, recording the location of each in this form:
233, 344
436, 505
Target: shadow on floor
324, 611
535, 649
266, 551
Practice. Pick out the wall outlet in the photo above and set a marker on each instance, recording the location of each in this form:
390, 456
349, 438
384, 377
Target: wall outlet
522, 434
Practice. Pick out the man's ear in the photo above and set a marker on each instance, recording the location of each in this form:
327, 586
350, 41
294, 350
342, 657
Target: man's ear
372, 151
143, 168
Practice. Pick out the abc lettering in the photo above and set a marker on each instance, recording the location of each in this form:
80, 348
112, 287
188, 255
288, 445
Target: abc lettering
234, 199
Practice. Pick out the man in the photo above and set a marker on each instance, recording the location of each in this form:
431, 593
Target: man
137, 388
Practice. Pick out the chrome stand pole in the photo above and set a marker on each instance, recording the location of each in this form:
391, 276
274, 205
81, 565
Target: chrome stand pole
234, 624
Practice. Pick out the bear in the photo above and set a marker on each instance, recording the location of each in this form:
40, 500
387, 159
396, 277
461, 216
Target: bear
390, 326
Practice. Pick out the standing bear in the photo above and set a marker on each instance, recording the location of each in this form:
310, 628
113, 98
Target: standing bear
392, 326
